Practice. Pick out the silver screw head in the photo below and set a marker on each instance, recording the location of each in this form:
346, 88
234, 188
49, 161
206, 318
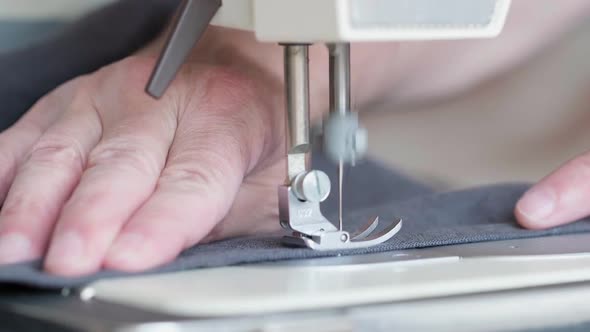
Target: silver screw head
313, 186
344, 238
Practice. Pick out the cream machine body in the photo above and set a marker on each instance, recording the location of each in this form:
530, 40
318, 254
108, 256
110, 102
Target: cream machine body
296, 24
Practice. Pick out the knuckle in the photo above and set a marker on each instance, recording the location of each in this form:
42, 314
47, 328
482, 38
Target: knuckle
125, 155
210, 173
20, 204
188, 179
121, 86
55, 151
226, 88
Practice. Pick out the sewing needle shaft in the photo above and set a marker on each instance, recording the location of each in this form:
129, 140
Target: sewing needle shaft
340, 185
340, 101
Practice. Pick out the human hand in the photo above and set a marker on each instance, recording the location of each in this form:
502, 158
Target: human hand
98, 174
560, 198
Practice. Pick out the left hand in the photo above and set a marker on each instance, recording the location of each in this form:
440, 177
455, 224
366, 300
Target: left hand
560, 198
99, 175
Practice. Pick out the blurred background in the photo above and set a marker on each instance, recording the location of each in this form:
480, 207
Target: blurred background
517, 127
26, 21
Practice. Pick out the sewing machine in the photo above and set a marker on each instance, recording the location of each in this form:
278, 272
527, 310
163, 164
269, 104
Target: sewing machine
295, 25
497, 286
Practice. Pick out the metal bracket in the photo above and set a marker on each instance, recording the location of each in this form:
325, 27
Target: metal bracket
312, 230
305, 189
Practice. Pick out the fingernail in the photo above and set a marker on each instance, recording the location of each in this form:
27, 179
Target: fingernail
537, 204
14, 248
66, 252
128, 250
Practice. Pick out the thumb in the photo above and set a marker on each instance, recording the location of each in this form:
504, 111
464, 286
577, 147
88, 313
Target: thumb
560, 198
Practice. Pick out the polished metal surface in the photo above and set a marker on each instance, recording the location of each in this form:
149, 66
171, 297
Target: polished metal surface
296, 63
344, 139
313, 230
313, 186
297, 97
300, 216
341, 240
305, 189
339, 64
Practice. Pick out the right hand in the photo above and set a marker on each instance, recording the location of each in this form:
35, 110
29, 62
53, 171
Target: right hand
98, 174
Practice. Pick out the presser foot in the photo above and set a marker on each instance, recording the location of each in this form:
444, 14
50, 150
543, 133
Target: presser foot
342, 240
312, 230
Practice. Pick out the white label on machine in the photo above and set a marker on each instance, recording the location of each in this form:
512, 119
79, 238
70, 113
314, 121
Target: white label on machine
422, 13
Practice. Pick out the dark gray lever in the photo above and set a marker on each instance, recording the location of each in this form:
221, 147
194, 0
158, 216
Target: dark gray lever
189, 25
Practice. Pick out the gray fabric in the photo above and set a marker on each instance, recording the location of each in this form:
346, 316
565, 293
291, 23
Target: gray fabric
367, 184
482, 214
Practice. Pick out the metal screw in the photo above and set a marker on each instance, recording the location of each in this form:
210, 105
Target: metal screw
344, 238
313, 186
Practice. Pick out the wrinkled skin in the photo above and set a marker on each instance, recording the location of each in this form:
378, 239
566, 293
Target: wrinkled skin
140, 179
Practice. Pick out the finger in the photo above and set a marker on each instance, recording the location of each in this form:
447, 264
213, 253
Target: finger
16, 141
15, 144
211, 154
560, 198
121, 173
190, 200
44, 182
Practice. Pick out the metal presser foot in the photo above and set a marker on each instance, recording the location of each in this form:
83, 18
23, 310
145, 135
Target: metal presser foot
343, 142
312, 229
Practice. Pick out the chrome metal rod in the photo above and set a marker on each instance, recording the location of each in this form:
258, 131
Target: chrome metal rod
297, 96
297, 107
340, 77
340, 100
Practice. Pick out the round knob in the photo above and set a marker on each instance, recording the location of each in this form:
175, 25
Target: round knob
344, 139
313, 186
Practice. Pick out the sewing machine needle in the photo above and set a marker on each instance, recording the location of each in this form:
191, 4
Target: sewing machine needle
340, 100
340, 185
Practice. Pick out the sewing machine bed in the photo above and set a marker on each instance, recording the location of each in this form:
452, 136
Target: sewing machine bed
538, 284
